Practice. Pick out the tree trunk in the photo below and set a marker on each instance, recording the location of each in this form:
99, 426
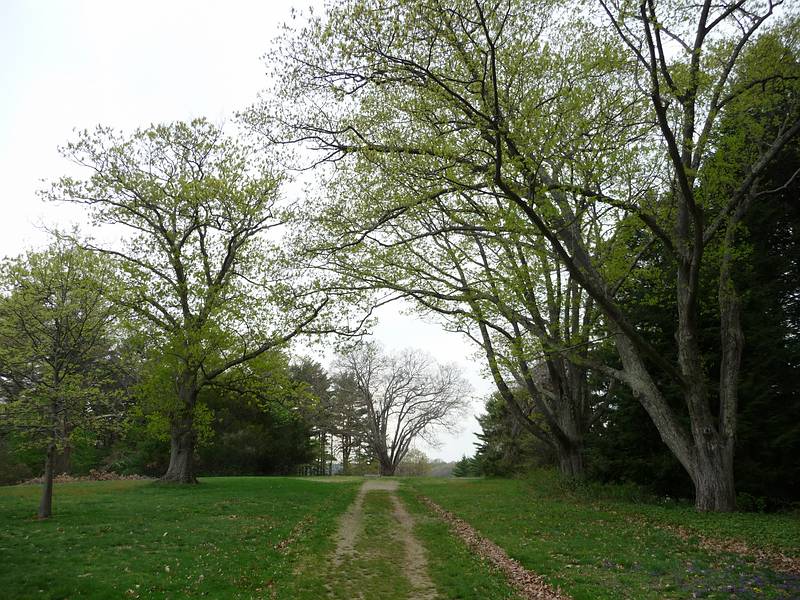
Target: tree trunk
323, 438
387, 468
705, 454
46, 504
63, 461
182, 433
712, 475
346, 454
181, 455
570, 459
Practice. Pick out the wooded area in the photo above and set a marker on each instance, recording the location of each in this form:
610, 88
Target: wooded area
602, 198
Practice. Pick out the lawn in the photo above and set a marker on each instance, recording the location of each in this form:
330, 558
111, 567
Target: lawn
224, 538
252, 537
612, 549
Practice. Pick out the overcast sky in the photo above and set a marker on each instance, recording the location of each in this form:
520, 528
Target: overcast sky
73, 64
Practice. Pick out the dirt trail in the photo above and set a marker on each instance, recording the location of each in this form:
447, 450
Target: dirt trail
415, 564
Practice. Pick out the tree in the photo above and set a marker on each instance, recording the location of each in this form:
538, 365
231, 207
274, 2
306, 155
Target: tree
506, 447
557, 115
688, 96
348, 418
202, 279
311, 375
406, 396
500, 287
466, 467
415, 464
764, 272
57, 343
260, 429
769, 433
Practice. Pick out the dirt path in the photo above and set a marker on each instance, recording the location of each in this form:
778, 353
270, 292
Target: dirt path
414, 563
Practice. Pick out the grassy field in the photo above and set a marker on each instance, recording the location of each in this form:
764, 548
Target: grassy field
611, 549
276, 538
133, 539
225, 538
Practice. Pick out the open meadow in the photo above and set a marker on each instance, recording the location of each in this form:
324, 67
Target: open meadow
248, 537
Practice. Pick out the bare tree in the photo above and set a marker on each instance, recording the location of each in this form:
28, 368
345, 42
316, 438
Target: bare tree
406, 396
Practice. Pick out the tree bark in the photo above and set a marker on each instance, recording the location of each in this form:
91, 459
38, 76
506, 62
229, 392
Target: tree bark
182, 434
570, 459
713, 476
181, 456
705, 454
387, 468
46, 504
63, 460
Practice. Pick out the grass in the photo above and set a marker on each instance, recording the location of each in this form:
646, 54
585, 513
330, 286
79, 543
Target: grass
276, 538
780, 531
373, 571
612, 549
219, 539
457, 573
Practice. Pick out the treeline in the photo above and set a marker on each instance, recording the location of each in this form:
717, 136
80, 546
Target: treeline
302, 420
124, 360
242, 434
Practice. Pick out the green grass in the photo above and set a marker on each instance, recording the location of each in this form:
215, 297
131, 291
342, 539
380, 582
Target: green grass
220, 539
375, 569
779, 532
140, 539
611, 549
457, 573
225, 538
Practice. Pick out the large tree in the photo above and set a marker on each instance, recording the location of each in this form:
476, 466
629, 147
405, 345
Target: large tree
57, 346
315, 383
406, 396
260, 424
764, 266
556, 115
500, 286
204, 279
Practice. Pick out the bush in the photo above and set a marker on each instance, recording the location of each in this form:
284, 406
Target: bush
12, 471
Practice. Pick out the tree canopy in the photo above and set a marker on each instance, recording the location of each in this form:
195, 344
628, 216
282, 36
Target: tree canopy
57, 345
579, 131
201, 276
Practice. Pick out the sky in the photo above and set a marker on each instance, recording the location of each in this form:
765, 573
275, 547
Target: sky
68, 65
